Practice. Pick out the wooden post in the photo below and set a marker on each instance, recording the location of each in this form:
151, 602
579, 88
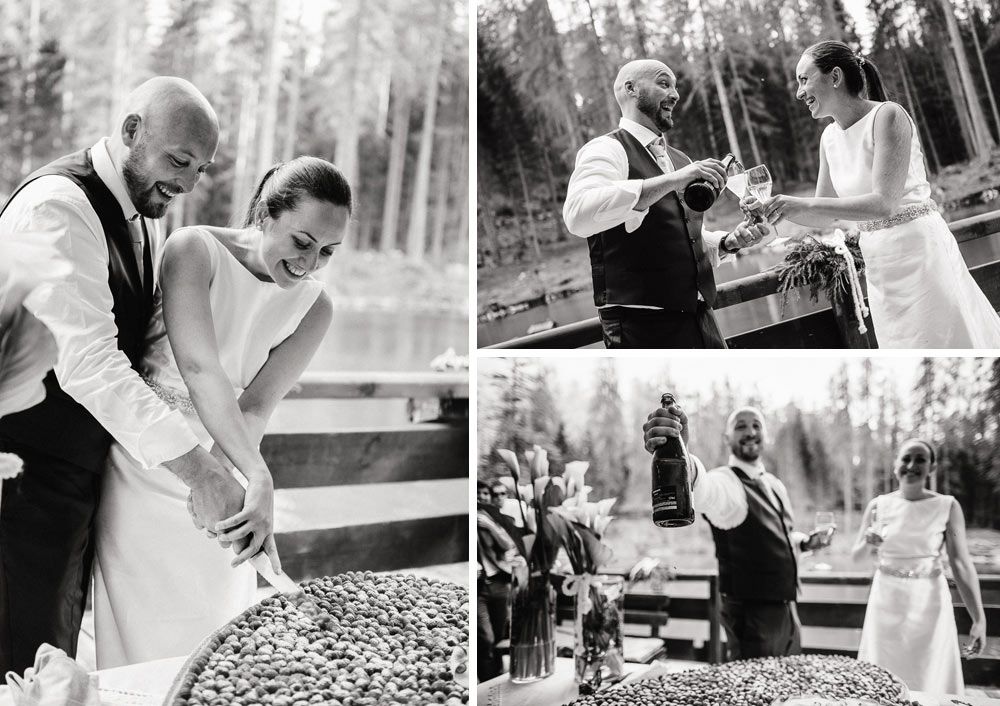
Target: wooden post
847, 324
714, 627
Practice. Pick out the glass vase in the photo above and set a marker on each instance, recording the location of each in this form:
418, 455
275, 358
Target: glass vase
599, 615
532, 630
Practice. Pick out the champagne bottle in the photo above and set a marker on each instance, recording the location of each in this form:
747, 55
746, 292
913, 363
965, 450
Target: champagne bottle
699, 195
672, 504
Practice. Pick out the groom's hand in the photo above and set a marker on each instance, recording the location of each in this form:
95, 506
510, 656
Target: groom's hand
662, 423
215, 494
747, 235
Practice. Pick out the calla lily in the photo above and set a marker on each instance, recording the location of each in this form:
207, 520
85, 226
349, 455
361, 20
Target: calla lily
539, 463
527, 493
511, 460
574, 473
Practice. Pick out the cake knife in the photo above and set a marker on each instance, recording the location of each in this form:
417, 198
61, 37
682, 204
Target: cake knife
292, 592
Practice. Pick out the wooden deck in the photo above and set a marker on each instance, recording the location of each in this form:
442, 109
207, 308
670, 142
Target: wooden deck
832, 327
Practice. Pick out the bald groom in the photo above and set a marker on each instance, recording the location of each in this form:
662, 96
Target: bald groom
96, 212
650, 260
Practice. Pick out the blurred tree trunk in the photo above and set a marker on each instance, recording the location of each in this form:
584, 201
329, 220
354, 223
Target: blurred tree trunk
443, 177
607, 72
958, 100
757, 159
397, 162
243, 180
272, 84
417, 235
526, 193
349, 128
926, 139
973, 14
982, 139
727, 113
295, 68
487, 227
554, 202
640, 32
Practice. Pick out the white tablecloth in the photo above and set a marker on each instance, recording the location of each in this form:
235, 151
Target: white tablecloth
143, 684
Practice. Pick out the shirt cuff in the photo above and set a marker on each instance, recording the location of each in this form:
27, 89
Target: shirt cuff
713, 239
165, 440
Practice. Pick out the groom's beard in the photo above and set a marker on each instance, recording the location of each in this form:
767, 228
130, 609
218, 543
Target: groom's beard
651, 109
140, 188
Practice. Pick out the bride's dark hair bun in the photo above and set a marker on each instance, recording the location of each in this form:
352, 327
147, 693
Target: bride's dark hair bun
859, 73
283, 186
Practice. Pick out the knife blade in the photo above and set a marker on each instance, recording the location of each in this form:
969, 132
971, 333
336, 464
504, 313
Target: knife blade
292, 592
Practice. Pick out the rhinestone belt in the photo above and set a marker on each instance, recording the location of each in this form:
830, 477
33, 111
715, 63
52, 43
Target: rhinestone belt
931, 573
175, 400
909, 213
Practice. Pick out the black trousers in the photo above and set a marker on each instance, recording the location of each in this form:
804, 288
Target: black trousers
625, 327
46, 555
761, 628
493, 616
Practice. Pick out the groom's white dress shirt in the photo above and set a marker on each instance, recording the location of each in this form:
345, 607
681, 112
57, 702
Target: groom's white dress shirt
600, 195
76, 306
721, 497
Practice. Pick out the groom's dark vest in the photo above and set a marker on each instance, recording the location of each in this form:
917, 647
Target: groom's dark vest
756, 560
663, 263
60, 426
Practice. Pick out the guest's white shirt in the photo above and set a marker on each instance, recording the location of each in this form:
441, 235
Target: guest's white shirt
52, 211
721, 497
600, 195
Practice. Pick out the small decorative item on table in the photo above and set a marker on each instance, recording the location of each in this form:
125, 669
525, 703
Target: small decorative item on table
598, 619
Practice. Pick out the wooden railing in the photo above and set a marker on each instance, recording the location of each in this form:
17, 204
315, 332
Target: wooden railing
685, 613
828, 328
365, 474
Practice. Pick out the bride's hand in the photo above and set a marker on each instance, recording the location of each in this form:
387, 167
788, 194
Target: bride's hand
783, 207
255, 522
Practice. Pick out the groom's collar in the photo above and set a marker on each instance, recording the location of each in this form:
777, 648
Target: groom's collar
753, 469
640, 132
108, 173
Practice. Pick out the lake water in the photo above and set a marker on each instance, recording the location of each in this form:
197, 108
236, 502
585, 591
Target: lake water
378, 341
732, 320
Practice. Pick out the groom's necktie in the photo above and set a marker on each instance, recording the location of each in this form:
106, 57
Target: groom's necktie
658, 148
146, 261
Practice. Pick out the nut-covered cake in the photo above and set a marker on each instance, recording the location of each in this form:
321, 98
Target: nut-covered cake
762, 682
386, 640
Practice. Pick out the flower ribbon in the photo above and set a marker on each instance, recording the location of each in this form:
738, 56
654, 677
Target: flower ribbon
838, 241
579, 585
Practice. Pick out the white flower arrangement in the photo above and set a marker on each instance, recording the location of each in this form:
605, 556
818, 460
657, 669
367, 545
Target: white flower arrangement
10, 466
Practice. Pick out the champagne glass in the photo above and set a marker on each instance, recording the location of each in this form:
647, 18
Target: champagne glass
825, 522
758, 183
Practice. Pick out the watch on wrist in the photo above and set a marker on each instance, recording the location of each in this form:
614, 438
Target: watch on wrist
723, 248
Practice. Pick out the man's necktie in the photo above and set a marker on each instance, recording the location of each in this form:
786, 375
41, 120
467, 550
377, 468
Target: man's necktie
658, 148
147, 262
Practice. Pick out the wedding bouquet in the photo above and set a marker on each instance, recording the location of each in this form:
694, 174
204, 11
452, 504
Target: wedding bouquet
820, 262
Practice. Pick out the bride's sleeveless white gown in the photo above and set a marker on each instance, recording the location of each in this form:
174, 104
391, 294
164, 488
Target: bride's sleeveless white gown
919, 289
160, 585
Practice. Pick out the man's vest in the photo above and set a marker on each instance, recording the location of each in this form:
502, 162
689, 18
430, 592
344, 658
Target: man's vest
60, 426
756, 559
663, 263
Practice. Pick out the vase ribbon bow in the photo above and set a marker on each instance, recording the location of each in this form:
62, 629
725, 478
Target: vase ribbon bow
838, 241
579, 585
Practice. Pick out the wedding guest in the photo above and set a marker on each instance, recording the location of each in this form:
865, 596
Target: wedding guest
495, 552
871, 171
910, 624
757, 548
650, 258
95, 213
241, 318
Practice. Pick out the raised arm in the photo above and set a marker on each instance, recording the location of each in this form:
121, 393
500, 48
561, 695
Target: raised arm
966, 578
185, 276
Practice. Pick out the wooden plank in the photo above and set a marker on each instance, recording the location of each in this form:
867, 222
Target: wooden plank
987, 276
381, 385
748, 288
976, 226
814, 330
387, 546
414, 452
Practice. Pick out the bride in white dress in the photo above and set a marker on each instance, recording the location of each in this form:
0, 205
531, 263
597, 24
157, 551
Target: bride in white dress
920, 292
240, 319
910, 623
